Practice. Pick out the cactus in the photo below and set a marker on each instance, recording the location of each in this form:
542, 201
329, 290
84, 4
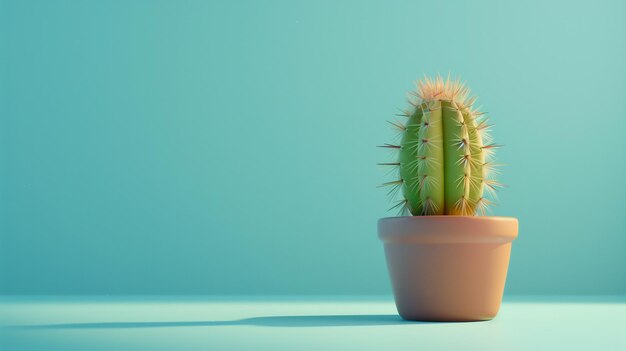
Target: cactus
444, 156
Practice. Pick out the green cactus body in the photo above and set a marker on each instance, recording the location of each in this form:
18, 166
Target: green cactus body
442, 158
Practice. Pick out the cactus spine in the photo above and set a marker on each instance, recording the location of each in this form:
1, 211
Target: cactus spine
444, 158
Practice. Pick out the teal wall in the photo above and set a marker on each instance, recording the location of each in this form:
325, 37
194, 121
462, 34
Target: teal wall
227, 147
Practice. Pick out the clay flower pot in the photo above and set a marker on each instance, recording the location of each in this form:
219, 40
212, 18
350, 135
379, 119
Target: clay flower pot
447, 268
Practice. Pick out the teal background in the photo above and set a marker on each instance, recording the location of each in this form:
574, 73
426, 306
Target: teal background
164, 147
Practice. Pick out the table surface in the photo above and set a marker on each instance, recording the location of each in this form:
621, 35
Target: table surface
301, 323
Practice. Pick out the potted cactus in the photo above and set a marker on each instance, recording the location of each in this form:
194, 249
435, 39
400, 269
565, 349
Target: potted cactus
446, 262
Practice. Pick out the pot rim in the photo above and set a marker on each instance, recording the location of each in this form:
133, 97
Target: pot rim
447, 229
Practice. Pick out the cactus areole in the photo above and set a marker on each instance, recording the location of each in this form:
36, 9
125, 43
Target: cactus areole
444, 159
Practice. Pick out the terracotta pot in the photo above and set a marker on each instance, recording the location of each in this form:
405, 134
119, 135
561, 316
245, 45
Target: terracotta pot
447, 268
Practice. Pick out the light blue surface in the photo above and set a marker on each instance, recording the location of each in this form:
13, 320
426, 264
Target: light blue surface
297, 323
227, 147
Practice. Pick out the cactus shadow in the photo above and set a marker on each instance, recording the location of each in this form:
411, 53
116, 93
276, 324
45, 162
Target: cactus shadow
265, 321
